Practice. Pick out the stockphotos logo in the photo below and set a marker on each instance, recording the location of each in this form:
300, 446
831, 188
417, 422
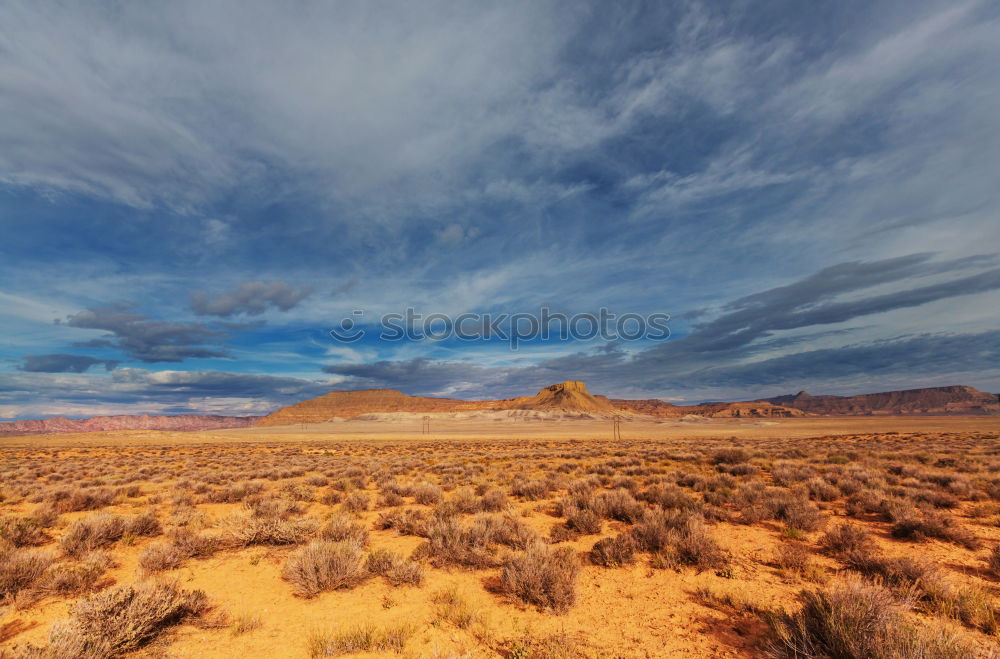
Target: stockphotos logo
515, 328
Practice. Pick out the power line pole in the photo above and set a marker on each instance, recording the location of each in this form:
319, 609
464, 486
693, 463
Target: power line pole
425, 429
616, 428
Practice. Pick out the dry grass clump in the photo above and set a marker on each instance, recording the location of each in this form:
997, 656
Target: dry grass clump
364, 638
78, 499
122, 619
454, 608
614, 552
993, 560
396, 569
322, 565
856, 620
542, 576
919, 527
847, 537
356, 502
245, 530
21, 569
77, 577
103, 529
22, 531
620, 505
182, 543
427, 494
474, 545
341, 527
405, 522
679, 538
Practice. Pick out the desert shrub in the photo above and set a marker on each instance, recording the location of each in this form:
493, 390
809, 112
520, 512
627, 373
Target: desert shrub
671, 496
792, 556
993, 560
530, 490
620, 505
503, 529
395, 568
245, 530
856, 620
90, 533
971, 605
821, 490
542, 576
357, 502
658, 529
122, 619
582, 520
77, 577
272, 506
847, 537
245, 623
91, 498
365, 638
405, 522
730, 456
342, 527
801, 515
322, 565
449, 543
934, 525
22, 531
694, 546
390, 500
614, 552
454, 608
427, 493
193, 544
21, 569
493, 500
159, 556
235, 493
901, 571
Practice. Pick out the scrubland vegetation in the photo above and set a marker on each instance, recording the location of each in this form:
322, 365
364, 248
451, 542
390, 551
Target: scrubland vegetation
867, 546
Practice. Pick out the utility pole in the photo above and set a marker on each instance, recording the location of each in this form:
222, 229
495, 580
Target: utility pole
616, 427
425, 429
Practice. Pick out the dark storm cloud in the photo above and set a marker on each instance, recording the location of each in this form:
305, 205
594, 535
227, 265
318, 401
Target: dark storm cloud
250, 297
148, 340
59, 363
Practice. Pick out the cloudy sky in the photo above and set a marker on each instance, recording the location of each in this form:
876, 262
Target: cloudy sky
193, 193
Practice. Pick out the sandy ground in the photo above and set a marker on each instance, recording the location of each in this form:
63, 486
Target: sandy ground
634, 611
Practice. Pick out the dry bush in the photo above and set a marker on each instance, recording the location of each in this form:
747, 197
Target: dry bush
792, 556
405, 522
449, 543
856, 620
341, 527
504, 529
934, 525
530, 490
454, 608
22, 531
366, 638
427, 494
620, 505
159, 556
78, 577
396, 569
581, 520
993, 560
730, 456
493, 500
542, 576
245, 530
898, 571
322, 565
614, 552
122, 619
357, 502
21, 569
245, 623
847, 537
69, 501
90, 533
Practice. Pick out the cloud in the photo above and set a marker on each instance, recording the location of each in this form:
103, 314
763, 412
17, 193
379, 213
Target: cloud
59, 363
250, 297
148, 340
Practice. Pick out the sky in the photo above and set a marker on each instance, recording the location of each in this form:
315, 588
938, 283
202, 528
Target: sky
193, 194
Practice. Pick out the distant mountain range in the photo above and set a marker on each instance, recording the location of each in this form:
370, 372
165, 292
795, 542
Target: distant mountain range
931, 400
126, 422
570, 396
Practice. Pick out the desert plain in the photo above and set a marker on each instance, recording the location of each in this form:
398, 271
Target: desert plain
492, 537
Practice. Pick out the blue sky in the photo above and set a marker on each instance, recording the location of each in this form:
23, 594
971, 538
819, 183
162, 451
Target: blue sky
193, 194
